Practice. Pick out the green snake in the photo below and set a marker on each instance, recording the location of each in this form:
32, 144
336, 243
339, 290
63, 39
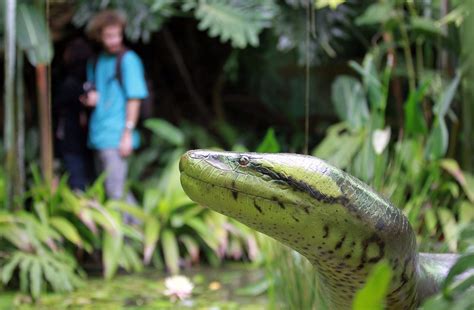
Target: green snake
336, 221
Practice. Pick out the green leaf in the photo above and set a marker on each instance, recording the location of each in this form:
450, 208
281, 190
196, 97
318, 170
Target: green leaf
431, 221
363, 166
192, 247
132, 258
463, 285
151, 199
234, 21
36, 277
450, 227
426, 25
468, 186
377, 13
349, 100
165, 131
66, 229
24, 269
447, 96
372, 295
111, 252
466, 213
415, 123
338, 148
42, 212
437, 144
255, 289
270, 143
122, 206
170, 251
33, 35
152, 233
8, 268
204, 232
463, 264
106, 219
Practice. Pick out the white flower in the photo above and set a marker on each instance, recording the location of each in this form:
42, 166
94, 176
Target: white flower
380, 139
178, 287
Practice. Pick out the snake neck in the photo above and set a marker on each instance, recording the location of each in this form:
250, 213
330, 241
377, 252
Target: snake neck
337, 222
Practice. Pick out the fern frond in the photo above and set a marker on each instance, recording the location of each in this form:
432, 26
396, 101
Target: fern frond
239, 22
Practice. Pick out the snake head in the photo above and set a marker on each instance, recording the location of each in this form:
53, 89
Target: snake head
340, 224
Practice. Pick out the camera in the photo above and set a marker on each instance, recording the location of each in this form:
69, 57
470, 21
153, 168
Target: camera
87, 87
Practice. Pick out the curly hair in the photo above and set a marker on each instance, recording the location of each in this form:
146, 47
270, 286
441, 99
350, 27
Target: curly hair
103, 19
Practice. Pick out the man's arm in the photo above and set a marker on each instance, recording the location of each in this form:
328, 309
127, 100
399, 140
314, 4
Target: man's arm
133, 112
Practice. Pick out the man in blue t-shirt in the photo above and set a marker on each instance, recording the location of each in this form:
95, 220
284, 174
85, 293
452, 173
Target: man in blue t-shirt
115, 98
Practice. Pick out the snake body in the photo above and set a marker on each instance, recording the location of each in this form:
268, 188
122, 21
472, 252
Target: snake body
336, 221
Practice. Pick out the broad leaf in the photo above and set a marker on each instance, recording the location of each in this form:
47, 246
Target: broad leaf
66, 229
349, 101
372, 295
234, 21
270, 143
425, 25
377, 13
170, 250
414, 121
151, 235
442, 105
33, 35
111, 252
166, 131
437, 143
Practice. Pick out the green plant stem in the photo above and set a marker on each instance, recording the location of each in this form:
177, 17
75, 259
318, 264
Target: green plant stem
408, 57
20, 122
307, 77
9, 100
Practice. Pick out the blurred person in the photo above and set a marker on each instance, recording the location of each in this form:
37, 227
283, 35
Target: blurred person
71, 129
116, 87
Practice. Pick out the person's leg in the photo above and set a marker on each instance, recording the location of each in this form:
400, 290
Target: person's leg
76, 167
116, 172
116, 168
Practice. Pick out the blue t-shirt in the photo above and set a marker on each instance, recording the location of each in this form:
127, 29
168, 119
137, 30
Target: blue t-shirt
107, 122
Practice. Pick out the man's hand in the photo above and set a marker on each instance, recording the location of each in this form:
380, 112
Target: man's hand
90, 99
125, 147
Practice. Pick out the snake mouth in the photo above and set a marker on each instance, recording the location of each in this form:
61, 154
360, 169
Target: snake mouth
186, 177
250, 174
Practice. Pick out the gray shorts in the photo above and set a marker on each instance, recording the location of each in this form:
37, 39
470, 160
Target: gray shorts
116, 169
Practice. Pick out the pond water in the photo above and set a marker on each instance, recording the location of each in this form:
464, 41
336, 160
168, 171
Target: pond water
214, 288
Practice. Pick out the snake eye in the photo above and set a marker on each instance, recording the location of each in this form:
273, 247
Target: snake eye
244, 160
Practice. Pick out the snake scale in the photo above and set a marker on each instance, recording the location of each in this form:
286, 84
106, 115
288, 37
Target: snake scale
336, 221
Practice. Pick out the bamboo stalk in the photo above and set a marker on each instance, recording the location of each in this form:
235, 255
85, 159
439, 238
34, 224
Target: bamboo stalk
9, 100
44, 123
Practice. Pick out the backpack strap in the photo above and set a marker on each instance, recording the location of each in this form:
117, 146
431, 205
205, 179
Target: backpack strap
118, 66
94, 61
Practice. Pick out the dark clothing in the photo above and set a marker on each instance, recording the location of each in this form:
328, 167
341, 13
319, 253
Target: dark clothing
71, 134
79, 168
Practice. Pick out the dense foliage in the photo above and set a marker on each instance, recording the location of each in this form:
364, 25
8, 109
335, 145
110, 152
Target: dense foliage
403, 105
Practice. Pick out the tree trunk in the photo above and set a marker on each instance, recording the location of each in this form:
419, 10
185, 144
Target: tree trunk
9, 101
45, 123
